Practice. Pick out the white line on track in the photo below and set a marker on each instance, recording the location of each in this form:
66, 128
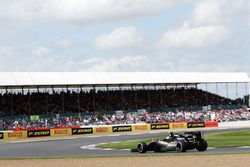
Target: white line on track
93, 147
244, 147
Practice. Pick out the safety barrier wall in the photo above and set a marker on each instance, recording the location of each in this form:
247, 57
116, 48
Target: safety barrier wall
102, 129
211, 124
234, 124
61, 132
178, 125
142, 127
46, 132
158, 126
195, 124
15, 134
82, 131
39, 133
1, 135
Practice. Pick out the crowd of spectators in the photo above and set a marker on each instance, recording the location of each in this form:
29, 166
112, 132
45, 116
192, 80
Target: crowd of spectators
19, 104
90, 107
129, 118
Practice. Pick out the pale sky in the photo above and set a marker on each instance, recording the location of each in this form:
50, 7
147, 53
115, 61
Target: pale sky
125, 35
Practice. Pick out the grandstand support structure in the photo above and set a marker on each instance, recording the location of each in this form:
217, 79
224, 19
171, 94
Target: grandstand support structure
230, 85
35, 80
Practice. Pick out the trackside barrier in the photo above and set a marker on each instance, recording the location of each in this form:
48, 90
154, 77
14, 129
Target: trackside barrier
15, 134
195, 124
102, 129
157, 126
60, 132
143, 127
211, 124
1, 135
38, 133
122, 128
67, 131
82, 131
178, 125
234, 124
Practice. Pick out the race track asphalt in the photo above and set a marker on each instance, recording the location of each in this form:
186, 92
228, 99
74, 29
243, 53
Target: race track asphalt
72, 147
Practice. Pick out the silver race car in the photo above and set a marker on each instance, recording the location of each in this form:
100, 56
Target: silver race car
175, 142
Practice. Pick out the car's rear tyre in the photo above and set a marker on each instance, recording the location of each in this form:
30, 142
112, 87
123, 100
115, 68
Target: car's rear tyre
180, 147
201, 145
142, 147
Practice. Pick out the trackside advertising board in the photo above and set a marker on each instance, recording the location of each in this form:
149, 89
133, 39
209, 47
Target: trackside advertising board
121, 128
81, 131
178, 125
195, 124
141, 127
15, 134
38, 133
157, 126
211, 124
60, 132
102, 129
1, 135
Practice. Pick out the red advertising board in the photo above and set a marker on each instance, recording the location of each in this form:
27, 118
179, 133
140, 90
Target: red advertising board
211, 124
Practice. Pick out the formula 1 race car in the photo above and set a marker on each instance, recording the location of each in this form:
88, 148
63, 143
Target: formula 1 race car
175, 142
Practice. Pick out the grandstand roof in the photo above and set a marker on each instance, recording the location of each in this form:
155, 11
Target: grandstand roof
57, 79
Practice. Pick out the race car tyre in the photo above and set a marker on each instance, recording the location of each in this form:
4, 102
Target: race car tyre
180, 147
201, 145
142, 147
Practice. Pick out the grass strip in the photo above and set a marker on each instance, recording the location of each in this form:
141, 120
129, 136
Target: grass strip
217, 140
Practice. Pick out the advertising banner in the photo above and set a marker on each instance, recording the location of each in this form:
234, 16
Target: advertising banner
15, 134
1, 135
195, 124
211, 124
140, 127
60, 132
34, 117
38, 133
81, 131
121, 128
178, 125
102, 130
159, 126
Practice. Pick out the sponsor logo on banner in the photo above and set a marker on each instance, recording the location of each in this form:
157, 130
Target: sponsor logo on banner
211, 124
38, 133
141, 127
159, 126
79, 131
60, 131
1, 135
196, 124
178, 126
102, 129
15, 134
121, 128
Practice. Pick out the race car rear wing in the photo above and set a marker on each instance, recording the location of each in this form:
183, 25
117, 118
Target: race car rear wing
195, 134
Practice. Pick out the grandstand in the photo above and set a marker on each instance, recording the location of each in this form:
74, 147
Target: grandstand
54, 94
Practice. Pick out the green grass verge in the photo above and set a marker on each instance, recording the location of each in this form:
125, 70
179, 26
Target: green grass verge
229, 139
218, 140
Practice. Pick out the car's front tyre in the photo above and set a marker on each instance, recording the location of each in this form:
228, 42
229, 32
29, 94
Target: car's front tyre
180, 147
142, 147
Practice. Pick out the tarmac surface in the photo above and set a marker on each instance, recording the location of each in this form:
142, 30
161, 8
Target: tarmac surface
72, 147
